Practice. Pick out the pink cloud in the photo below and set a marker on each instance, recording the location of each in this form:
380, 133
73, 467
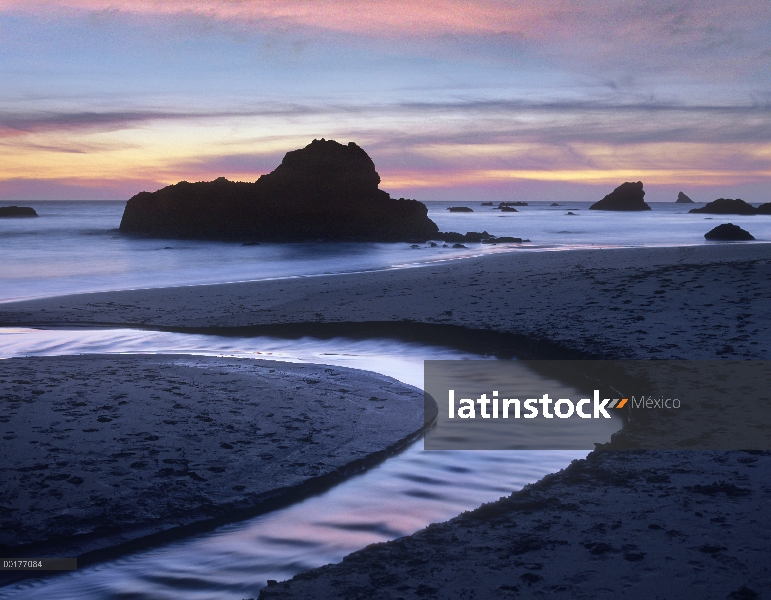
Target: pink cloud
630, 22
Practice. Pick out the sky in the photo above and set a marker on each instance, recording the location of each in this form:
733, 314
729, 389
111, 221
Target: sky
453, 100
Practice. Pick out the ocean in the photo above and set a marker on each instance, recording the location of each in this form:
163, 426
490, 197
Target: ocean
75, 247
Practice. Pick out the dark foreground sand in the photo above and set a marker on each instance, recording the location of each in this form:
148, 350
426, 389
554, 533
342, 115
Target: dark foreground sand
103, 450
675, 525
620, 524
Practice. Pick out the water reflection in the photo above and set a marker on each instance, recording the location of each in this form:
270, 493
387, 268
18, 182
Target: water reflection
395, 498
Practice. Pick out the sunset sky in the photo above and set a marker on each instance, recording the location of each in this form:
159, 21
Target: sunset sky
453, 100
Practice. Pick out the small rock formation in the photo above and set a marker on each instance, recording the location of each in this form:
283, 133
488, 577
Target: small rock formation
571, 214
508, 209
728, 232
726, 206
683, 199
17, 211
764, 209
460, 209
502, 204
325, 191
626, 197
476, 236
486, 204
504, 239
554, 204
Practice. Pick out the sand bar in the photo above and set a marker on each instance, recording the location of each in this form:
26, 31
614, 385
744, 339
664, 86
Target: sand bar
102, 450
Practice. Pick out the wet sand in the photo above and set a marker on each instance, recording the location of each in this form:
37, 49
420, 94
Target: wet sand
618, 525
103, 450
691, 302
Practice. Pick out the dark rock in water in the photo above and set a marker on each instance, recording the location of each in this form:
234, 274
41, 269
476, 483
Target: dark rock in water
460, 209
508, 209
554, 204
728, 232
415, 247
475, 236
486, 204
764, 209
502, 204
628, 196
502, 240
571, 214
433, 244
683, 199
17, 211
726, 206
450, 236
325, 191
458, 246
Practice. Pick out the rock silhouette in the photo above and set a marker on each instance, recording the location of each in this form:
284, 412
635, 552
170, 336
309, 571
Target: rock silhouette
460, 209
764, 209
683, 199
325, 191
728, 232
17, 211
726, 206
628, 196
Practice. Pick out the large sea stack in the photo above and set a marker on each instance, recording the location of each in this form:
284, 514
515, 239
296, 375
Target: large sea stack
683, 199
627, 196
726, 206
325, 191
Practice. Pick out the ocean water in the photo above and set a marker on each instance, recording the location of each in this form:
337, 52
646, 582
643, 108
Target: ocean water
75, 247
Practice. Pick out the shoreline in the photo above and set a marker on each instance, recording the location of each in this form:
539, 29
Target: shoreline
514, 249
694, 302
551, 297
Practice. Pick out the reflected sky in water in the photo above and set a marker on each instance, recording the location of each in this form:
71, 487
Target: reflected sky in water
395, 498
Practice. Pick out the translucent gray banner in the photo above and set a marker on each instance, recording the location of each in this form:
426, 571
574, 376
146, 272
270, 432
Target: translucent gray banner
576, 405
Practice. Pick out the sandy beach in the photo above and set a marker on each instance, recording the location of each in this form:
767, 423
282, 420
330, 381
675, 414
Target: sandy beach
698, 302
608, 525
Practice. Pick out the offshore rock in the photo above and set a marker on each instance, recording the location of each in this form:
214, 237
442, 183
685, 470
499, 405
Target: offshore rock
728, 232
628, 196
17, 211
460, 209
683, 199
325, 191
764, 209
726, 206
